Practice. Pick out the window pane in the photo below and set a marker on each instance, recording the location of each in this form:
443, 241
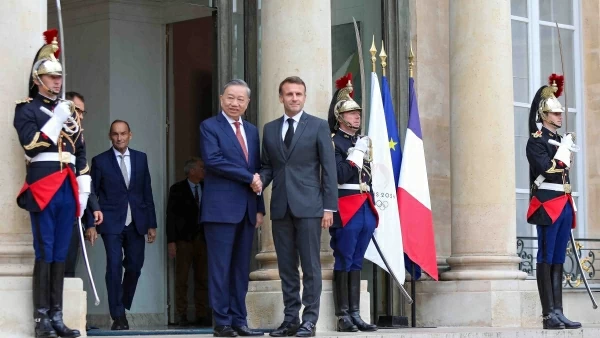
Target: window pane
521, 137
520, 58
518, 8
560, 11
238, 39
550, 59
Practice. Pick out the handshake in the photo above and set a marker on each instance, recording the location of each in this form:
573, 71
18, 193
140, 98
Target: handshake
256, 184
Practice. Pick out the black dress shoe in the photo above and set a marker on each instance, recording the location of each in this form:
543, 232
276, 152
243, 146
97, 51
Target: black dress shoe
183, 321
117, 325
245, 331
306, 329
224, 331
286, 329
125, 323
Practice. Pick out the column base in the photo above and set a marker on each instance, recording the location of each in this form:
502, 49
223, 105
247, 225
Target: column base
16, 307
483, 268
484, 303
264, 302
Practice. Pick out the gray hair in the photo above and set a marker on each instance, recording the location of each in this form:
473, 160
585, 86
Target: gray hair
189, 164
236, 82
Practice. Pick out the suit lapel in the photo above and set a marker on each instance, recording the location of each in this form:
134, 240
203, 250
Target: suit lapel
116, 166
298, 133
228, 130
280, 138
133, 160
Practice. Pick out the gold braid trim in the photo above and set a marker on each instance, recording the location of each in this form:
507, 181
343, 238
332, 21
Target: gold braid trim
34, 143
65, 135
553, 169
84, 170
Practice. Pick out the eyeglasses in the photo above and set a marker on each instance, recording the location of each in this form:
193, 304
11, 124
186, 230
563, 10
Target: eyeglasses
79, 111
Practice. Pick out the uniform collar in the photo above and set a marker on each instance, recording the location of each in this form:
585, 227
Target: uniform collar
46, 100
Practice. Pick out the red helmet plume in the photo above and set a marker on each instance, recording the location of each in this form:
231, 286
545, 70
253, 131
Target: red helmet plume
49, 36
560, 83
343, 82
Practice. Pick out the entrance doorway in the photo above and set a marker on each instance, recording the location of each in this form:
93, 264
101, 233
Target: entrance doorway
191, 71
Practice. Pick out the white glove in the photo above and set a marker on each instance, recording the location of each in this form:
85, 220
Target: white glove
362, 144
60, 115
356, 156
84, 182
565, 148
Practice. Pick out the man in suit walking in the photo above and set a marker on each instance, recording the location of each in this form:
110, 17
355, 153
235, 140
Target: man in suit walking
231, 208
186, 241
298, 156
121, 179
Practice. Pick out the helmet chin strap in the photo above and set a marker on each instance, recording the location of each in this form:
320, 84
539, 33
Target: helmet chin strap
348, 124
39, 79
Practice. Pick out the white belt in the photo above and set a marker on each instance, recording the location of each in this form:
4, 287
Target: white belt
53, 157
555, 187
353, 187
539, 180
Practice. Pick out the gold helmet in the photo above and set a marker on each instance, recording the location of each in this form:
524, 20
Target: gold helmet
46, 62
546, 101
342, 102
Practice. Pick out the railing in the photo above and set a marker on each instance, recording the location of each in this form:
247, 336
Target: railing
587, 249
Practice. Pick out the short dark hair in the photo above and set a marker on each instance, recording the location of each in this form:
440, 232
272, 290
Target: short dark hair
72, 95
292, 79
118, 121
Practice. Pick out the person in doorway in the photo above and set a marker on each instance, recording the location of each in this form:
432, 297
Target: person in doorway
92, 206
551, 207
121, 179
186, 242
57, 184
356, 220
231, 208
299, 159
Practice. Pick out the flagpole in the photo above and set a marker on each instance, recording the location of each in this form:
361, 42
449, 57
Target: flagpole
413, 281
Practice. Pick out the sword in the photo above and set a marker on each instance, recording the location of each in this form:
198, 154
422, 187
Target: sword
62, 48
585, 281
361, 64
404, 293
87, 263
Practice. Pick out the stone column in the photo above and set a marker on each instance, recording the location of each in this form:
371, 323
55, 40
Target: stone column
482, 142
484, 265
296, 40
22, 25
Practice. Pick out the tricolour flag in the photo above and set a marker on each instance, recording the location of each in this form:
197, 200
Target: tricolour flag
414, 203
388, 234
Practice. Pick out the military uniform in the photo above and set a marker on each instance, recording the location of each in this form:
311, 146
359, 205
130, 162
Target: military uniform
56, 185
551, 206
356, 218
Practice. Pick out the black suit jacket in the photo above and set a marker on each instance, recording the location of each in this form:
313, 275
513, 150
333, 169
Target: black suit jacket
182, 213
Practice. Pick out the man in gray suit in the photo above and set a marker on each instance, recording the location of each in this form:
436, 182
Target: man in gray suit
298, 156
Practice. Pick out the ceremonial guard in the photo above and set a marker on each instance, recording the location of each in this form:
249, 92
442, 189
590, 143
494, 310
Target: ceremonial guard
551, 207
57, 184
356, 219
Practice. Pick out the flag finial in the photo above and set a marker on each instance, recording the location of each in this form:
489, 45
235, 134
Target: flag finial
383, 57
411, 62
373, 51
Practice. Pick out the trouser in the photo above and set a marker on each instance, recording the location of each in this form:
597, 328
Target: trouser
191, 253
349, 243
553, 239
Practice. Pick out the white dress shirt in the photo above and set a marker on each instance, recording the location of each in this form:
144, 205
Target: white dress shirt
193, 187
127, 161
231, 123
285, 126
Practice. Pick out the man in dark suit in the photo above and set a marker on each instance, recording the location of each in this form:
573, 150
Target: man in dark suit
121, 179
92, 205
186, 241
298, 156
231, 208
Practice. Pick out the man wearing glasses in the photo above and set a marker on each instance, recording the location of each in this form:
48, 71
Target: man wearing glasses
73, 254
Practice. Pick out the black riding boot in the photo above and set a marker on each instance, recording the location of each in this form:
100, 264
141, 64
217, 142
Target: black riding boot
556, 273
354, 296
41, 300
550, 320
340, 301
56, 299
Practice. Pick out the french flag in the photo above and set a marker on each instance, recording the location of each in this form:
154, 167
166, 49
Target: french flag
414, 204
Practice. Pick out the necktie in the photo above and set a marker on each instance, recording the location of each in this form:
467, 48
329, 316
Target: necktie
126, 177
197, 196
238, 134
289, 134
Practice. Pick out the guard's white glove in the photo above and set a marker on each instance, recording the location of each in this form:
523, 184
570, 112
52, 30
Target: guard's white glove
60, 115
358, 153
85, 183
565, 148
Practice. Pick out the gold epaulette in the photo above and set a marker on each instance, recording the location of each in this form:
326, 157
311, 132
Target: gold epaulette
27, 100
537, 134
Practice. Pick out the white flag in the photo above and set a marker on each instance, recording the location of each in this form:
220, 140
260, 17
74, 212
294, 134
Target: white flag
388, 234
